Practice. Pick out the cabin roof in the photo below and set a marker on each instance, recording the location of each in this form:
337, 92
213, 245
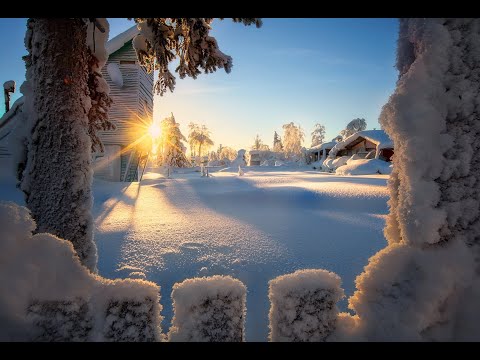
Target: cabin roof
322, 146
121, 39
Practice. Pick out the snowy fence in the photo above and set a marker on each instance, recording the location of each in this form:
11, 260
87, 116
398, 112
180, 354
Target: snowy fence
52, 297
209, 309
107, 316
303, 305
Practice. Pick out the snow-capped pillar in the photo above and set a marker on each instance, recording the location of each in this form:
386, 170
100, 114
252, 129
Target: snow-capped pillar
128, 310
303, 305
209, 309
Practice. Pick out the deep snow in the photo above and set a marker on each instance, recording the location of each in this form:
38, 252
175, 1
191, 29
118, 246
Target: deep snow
269, 222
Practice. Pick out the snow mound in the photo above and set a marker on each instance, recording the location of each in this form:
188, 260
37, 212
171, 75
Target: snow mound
209, 309
52, 297
364, 167
303, 305
409, 294
240, 159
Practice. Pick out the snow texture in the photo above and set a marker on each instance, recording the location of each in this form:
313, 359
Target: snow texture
115, 74
364, 167
420, 286
97, 39
303, 305
209, 309
52, 297
410, 294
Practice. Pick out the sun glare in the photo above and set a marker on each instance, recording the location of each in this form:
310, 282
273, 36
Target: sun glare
154, 131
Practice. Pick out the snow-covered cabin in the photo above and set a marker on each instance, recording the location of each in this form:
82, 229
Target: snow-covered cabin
366, 144
319, 152
131, 89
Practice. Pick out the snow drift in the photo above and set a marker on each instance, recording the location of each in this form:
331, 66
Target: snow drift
364, 167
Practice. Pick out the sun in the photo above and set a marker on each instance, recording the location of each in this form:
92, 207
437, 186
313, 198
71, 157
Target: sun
154, 131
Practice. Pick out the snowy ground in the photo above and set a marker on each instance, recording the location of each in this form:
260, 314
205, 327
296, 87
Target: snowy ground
270, 222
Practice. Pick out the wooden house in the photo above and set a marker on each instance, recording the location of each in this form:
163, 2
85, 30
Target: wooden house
131, 89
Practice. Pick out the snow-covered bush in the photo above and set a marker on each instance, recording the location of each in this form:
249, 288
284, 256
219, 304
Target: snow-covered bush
303, 305
52, 297
240, 159
209, 309
364, 167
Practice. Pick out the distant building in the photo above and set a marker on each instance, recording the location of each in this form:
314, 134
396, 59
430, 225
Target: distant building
254, 157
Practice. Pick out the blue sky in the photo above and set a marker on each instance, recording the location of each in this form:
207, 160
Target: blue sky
302, 70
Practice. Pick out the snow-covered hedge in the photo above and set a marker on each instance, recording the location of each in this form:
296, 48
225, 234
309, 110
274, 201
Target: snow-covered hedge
209, 309
52, 297
303, 305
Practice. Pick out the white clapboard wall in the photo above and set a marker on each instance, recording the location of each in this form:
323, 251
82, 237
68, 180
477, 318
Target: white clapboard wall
134, 99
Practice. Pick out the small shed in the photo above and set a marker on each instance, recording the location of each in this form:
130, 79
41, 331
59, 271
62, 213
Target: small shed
254, 156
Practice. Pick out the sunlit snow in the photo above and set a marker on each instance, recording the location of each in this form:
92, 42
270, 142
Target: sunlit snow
255, 227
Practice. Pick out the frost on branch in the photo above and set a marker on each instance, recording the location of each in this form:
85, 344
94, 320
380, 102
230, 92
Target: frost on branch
161, 40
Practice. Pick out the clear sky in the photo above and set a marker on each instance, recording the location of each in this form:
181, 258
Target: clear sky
302, 70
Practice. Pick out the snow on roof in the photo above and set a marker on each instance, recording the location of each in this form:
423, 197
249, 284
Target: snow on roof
10, 84
378, 137
118, 41
327, 145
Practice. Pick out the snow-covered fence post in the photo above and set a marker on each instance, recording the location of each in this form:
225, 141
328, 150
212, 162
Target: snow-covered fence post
303, 305
209, 309
128, 310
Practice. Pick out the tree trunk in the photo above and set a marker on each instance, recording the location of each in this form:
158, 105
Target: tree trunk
58, 176
200, 150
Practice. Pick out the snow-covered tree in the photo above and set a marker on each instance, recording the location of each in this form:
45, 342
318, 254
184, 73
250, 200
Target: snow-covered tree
171, 148
429, 272
293, 137
353, 126
318, 134
277, 143
258, 144
227, 153
66, 102
199, 136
